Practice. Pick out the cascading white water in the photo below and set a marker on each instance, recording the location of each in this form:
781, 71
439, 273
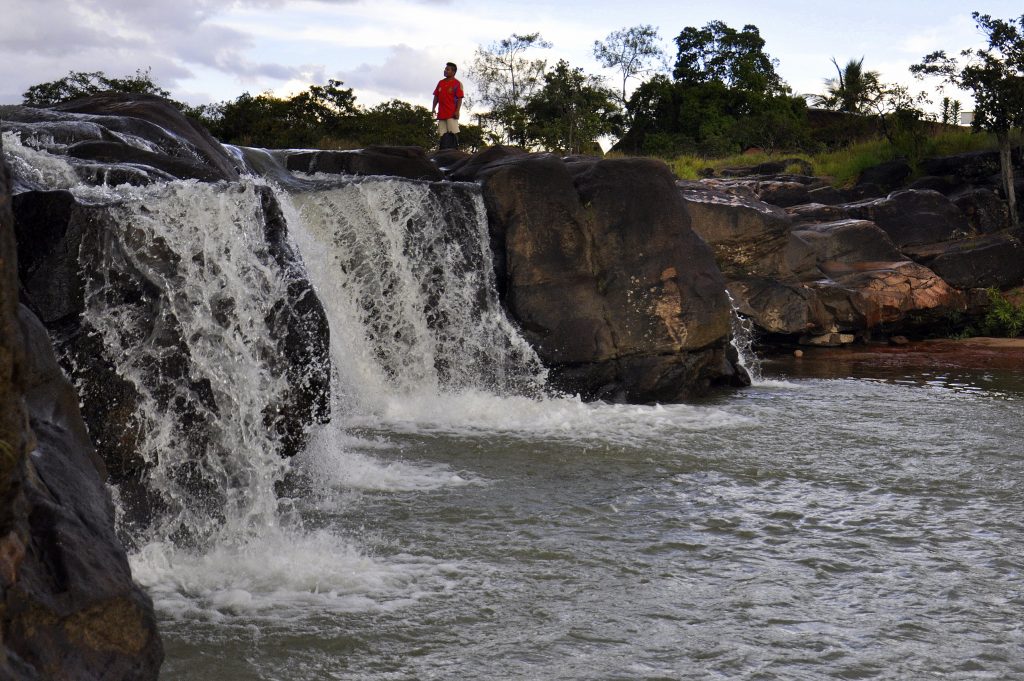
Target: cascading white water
404, 270
743, 340
419, 345
201, 248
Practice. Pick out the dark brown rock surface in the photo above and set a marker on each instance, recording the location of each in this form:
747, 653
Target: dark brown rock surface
597, 263
68, 607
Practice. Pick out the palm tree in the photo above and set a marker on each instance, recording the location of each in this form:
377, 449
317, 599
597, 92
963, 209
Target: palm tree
853, 90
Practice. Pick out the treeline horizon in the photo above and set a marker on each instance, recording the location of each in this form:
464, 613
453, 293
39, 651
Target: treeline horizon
721, 95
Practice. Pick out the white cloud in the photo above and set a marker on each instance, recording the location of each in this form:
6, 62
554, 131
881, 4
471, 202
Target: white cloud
406, 73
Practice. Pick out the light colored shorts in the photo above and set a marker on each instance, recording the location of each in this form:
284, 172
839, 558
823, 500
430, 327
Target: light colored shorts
448, 125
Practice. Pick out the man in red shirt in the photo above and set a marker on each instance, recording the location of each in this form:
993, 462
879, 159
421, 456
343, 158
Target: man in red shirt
448, 97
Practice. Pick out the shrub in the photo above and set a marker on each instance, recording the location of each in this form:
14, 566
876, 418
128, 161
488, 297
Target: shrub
1004, 317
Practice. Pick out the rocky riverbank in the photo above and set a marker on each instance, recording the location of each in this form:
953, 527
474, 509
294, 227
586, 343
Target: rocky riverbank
619, 277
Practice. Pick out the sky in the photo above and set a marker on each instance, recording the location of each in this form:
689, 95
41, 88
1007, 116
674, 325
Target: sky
206, 51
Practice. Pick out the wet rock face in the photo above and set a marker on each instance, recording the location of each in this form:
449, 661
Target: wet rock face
598, 265
841, 269
913, 217
73, 611
819, 270
408, 162
69, 607
118, 138
68, 248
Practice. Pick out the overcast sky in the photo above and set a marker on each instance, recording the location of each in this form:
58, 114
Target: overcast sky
214, 50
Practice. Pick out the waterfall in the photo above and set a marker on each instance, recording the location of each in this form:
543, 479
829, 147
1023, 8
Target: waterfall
200, 258
404, 270
179, 288
742, 339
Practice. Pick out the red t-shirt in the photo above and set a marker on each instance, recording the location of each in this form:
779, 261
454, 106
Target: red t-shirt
447, 92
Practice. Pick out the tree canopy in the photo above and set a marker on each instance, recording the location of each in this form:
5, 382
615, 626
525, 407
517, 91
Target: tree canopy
506, 79
570, 111
853, 90
631, 51
724, 96
995, 76
79, 84
718, 53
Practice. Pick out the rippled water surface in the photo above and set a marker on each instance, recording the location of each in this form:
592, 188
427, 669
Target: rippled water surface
813, 526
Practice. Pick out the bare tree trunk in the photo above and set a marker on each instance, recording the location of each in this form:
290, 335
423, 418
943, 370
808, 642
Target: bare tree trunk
1006, 172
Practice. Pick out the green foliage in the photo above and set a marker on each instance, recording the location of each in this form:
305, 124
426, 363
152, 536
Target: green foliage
718, 53
570, 111
995, 76
951, 109
710, 119
398, 123
725, 97
853, 90
506, 80
843, 165
631, 51
1003, 318
79, 84
323, 117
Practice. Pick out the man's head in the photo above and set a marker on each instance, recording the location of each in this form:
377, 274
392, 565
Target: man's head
450, 69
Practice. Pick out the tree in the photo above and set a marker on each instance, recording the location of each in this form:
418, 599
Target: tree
995, 75
901, 117
398, 123
79, 84
506, 79
950, 111
725, 97
853, 90
321, 115
570, 111
735, 58
631, 51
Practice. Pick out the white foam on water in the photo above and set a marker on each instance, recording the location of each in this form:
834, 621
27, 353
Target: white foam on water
781, 384
335, 459
419, 339
38, 167
283, 576
478, 413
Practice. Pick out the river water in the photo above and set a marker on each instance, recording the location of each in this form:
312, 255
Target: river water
850, 515
816, 525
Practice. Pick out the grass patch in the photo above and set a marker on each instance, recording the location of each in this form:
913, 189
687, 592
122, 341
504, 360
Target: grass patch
842, 166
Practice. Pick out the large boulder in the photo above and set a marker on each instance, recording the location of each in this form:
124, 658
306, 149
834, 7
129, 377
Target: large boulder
819, 273
976, 167
158, 121
597, 263
876, 293
912, 217
844, 241
115, 137
991, 260
985, 211
747, 235
69, 607
886, 176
